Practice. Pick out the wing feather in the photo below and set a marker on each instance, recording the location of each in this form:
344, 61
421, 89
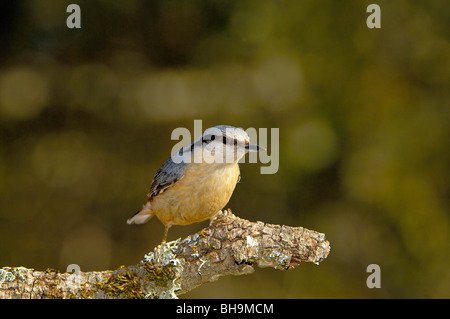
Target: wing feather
166, 176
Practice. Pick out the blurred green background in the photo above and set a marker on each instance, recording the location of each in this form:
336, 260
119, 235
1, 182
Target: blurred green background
86, 117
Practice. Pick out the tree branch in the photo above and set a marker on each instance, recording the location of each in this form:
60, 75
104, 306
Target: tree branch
229, 246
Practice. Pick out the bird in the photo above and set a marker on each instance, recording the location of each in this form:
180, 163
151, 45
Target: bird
196, 183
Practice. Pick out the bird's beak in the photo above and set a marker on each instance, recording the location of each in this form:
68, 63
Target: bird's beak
254, 148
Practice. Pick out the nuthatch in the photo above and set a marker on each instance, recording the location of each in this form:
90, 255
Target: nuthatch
194, 184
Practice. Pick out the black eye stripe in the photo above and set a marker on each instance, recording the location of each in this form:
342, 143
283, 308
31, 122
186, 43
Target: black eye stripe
228, 141
225, 140
207, 139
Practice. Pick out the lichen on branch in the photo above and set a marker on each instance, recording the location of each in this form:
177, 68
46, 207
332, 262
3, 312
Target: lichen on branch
228, 246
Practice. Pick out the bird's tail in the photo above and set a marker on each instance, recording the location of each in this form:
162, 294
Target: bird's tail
142, 216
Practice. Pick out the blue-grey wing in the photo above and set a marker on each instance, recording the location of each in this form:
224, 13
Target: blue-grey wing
167, 175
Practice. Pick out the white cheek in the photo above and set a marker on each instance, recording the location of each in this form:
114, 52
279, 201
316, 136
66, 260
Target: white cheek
217, 152
230, 154
211, 153
241, 152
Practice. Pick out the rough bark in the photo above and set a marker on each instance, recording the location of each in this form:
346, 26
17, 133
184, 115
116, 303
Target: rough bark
229, 246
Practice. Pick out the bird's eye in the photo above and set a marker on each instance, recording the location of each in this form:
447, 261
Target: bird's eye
224, 140
208, 139
235, 141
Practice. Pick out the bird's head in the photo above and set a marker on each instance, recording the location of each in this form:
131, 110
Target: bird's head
222, 144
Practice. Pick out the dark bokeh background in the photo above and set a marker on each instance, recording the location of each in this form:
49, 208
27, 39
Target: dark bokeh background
86, 116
